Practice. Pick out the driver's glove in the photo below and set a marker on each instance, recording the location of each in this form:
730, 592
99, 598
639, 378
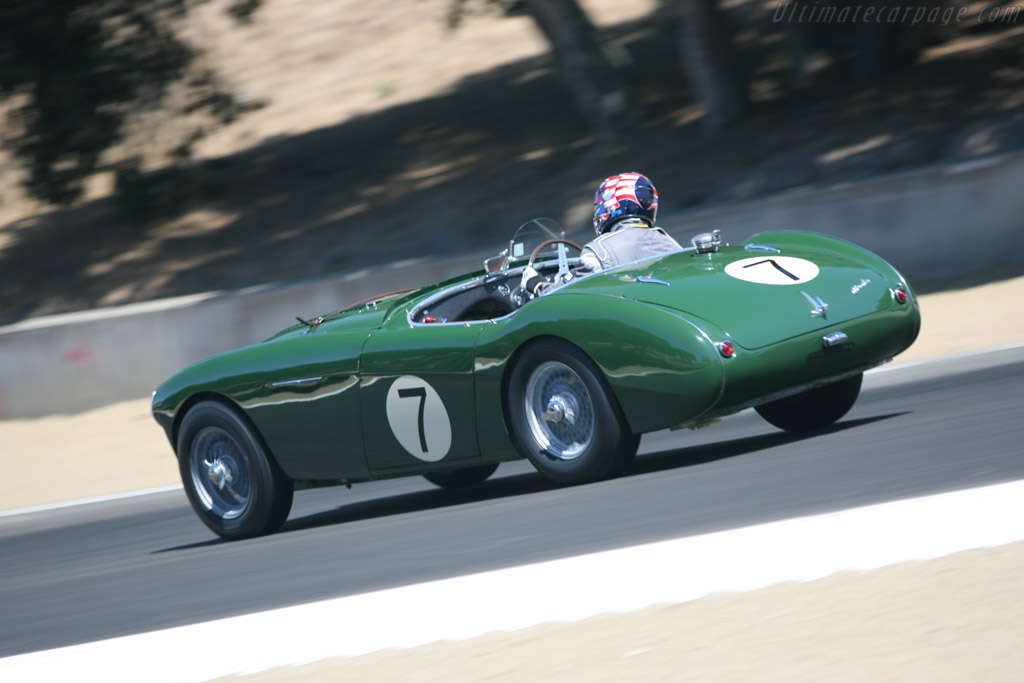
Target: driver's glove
531, 279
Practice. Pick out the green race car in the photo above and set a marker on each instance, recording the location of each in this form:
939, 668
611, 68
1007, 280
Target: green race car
449, 380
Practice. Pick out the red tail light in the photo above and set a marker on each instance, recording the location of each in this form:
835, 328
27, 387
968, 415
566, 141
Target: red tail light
901, 294
726, 348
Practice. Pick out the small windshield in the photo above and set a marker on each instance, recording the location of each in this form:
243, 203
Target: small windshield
531, 234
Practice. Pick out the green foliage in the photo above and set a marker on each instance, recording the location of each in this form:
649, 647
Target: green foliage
387, 88
74, 70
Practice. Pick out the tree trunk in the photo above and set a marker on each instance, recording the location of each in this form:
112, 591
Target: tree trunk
599, 95
709, 61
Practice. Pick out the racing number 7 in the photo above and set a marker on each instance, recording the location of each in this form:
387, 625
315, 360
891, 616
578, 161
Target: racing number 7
777, 267
421, 392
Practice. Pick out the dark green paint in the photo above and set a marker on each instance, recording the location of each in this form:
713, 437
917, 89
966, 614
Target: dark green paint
654, 344
443, 356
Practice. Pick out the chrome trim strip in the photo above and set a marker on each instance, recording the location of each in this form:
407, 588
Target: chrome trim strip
412, 312
438, 296
653, 280
297, 383
475, 282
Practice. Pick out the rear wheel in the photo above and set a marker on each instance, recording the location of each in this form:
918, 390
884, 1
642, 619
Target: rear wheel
460, 477
564, 418
813, 409
231, 482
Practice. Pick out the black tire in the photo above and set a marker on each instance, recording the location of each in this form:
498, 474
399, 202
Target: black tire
813, 409
594, 444
234, 487
461, 477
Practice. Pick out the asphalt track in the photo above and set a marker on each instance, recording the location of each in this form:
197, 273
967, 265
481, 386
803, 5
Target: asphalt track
92, 572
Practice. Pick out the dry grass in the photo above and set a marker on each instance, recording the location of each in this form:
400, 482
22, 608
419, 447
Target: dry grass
386, 136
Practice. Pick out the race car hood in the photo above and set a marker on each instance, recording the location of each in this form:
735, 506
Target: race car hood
759, 296
364, 315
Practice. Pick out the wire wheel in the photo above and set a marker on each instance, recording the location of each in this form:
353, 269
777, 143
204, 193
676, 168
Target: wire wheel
563, 416
560, 410
220, 473
231, 481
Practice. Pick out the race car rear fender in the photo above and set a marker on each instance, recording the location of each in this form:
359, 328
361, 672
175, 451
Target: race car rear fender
661, 368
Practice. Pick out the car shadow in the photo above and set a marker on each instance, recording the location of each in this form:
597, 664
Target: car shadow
707, 453
532, 482
386, 506
423, 501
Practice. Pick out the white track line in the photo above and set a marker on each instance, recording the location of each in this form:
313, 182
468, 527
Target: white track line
906, 365
569, 589
89, 501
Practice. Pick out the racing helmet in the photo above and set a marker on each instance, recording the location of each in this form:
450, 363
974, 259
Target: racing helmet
625, 195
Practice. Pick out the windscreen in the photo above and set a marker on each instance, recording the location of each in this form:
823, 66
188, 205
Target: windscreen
531, 234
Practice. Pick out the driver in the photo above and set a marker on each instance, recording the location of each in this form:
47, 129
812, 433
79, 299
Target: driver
625, 206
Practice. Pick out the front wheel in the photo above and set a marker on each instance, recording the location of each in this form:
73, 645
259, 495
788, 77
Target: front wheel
231, 482
813, 409
564, 418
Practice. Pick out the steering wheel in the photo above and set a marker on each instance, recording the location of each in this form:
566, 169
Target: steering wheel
563, 267
548, 243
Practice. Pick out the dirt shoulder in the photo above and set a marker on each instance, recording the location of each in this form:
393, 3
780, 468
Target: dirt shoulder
942, 620
120, 448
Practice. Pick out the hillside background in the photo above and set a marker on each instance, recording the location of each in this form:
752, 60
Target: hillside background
362, 134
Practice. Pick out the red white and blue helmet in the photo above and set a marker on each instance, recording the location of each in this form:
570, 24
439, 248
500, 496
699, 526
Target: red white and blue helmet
626, 195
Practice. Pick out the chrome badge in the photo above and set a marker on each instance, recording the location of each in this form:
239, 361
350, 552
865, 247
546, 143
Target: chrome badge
859, 286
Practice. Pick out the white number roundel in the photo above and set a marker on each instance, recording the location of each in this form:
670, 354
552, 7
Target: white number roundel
418, 418
773, 270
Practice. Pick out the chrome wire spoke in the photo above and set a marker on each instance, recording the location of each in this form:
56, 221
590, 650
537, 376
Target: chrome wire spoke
239, 498
220, 473
559, 410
